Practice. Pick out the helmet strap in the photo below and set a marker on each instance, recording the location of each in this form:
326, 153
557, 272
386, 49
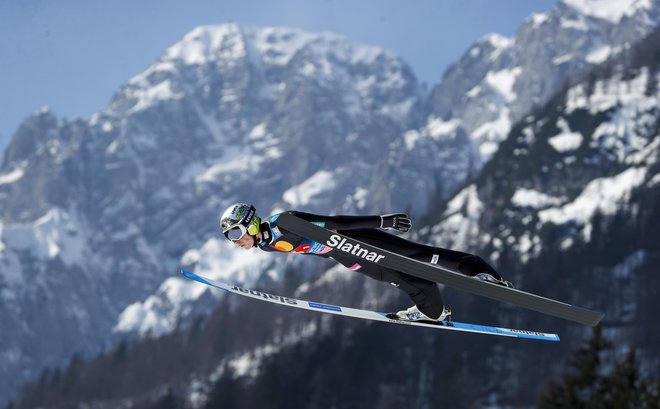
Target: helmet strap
266, 235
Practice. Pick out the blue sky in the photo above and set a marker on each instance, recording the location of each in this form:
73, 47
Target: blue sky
72, 55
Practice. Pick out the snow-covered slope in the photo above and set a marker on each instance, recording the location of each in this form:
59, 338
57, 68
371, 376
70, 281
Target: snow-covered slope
568, 206
500, 79
613, 11
608, 127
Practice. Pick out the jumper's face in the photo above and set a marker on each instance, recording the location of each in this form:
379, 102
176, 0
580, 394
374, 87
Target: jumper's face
246, 242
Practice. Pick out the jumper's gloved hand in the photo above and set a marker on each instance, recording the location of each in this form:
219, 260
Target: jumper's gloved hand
399, 221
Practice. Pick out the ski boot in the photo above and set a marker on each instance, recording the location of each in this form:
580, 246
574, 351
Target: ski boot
414, 314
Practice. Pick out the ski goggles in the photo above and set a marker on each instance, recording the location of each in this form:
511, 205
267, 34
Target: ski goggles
235, 233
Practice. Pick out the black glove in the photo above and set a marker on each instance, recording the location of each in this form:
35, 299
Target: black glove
399, 221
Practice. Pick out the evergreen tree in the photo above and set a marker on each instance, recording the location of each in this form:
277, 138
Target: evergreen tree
169, 401
581, 381
623, 387
651, 88
226, 392
72, 375
585, 386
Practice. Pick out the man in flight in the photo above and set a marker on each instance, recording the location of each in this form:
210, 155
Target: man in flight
241, 224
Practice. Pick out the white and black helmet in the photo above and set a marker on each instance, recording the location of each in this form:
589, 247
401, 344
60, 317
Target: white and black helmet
238, 219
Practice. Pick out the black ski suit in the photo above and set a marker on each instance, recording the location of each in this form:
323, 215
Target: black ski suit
424, 293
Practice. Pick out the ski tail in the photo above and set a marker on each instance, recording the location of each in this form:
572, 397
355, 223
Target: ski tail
440, 274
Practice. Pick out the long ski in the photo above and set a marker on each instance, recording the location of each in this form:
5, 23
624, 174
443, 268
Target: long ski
370, 315
366, 252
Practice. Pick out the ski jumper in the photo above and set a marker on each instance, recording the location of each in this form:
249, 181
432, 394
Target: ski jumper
424, 293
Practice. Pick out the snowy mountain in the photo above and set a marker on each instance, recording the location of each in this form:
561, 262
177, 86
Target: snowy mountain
97, 215
499, 79
569, 204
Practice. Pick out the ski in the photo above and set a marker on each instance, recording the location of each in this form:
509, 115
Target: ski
372, 254
369, 315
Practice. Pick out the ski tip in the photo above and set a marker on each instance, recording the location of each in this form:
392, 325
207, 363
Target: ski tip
193, 276
533, 335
